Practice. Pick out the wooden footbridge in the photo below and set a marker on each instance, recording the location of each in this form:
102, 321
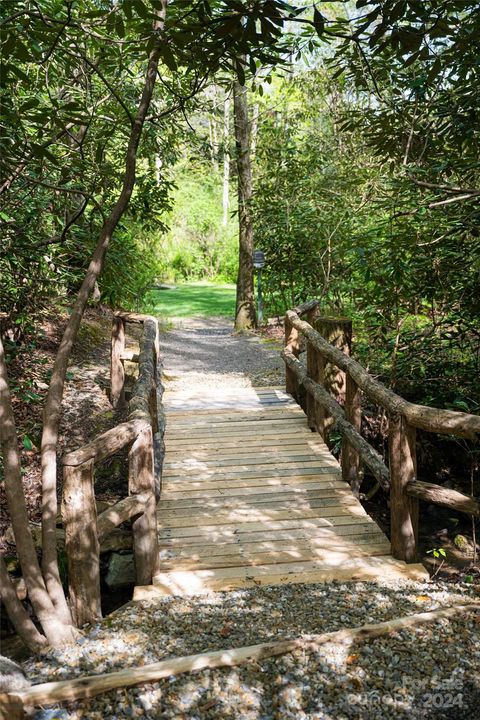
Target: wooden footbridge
233, 488
251, 497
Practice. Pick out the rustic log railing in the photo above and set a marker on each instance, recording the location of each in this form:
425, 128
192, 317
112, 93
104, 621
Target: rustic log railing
143, 431
333, 383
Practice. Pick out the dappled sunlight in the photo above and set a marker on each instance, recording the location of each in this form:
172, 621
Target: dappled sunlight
313, 680
251, 497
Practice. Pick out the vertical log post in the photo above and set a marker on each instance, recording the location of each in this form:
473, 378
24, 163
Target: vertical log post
350, 457
338, 332
117, 370
79, 515
292, 343
403, 509
314, 361
141, 480
157, 417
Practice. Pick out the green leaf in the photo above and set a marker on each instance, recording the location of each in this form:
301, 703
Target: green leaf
318, 22
461, 405
127, 9
168, 57
27, 443
22, 52
29, 104
8, 45
16, 71
119, 26
140, 8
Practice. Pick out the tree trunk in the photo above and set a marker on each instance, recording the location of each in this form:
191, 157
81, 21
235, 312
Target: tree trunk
254, 133
226, 159
17, 508
46, 592
245, 316
25, 628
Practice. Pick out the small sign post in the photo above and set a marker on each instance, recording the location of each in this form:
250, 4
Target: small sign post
258, 264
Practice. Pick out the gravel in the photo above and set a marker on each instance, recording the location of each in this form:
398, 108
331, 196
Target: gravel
432, 671
205, 351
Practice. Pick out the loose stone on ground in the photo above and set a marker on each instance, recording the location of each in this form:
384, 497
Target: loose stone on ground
430, 671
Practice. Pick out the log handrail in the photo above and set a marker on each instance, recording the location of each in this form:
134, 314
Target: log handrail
143, 431
404, 417
424, 417
120, 512
439, 495
306, 307
368, 454
107, 444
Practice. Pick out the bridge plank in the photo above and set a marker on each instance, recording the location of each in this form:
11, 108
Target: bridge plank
272, 557
251, 496
216, 579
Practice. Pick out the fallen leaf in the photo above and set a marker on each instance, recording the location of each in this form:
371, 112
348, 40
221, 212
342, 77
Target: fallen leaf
226, 630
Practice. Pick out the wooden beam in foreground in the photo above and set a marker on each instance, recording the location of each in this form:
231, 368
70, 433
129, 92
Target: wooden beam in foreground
87, 687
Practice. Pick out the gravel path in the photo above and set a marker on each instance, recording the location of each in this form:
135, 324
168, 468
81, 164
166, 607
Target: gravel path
432, 671
205, 351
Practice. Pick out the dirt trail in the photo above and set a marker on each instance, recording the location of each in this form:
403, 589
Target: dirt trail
205, 351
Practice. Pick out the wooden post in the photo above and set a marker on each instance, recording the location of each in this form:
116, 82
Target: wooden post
141, 480
157, 416
350, 460
292, 343
338, 332
403, 509
117, 370
12, 707
314, 361
79, 515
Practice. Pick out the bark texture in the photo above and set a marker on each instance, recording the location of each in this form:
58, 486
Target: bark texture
245, 315
17, 509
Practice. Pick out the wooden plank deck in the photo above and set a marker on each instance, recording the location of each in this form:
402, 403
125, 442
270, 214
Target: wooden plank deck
250, 496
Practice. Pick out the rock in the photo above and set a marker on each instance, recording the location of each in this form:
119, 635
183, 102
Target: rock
36, 530
117, 540
12, 677
121, 571
51, 715
463, 544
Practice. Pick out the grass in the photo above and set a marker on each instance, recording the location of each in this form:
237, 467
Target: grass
202, 299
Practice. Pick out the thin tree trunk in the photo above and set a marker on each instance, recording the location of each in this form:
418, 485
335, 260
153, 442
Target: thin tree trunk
37, 592
25, 628
254, 132
245, 316
226, 159
55, 393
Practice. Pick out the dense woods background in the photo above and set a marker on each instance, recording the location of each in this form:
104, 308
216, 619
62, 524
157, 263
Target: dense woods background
365, 166
363, 121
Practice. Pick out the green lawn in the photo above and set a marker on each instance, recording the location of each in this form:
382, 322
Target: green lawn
193, 299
